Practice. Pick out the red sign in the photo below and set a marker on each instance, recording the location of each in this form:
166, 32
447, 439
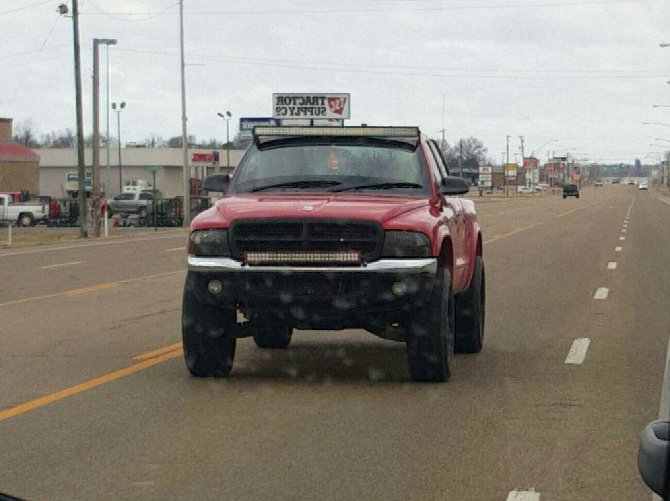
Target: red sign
337, 104
203, 157
530, 163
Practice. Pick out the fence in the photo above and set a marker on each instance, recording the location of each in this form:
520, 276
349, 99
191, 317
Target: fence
168, 212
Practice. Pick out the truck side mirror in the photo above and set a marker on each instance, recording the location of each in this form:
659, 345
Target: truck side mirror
652, 459
452, 185
216, 182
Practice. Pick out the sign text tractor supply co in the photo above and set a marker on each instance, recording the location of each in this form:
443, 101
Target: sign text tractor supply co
311, 106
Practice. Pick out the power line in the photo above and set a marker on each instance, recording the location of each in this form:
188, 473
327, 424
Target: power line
115, 15
407, 71
25, 76
415, 9
25, 7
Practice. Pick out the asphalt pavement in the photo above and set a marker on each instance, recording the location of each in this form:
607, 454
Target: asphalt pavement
96, 403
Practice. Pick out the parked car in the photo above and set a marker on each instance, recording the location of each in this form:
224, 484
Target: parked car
643, 186
525, 189
22, 213
336, 228
570, 190
132, 202
598, 183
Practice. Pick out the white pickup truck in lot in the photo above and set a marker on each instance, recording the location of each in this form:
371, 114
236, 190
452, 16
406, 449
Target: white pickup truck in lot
21, 213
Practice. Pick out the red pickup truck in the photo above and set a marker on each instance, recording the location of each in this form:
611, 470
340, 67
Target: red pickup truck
335, 228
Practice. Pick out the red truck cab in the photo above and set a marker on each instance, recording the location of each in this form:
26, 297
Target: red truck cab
334, 228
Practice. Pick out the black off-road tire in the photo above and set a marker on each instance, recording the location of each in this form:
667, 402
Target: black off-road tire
207, 336
273, 335
471, 312
430, 336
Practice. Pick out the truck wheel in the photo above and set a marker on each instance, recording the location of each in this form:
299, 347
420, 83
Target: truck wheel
430, 337
471, 312
209, 346
275, 335
25, 220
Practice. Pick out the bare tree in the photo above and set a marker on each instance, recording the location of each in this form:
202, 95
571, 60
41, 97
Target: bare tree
24, 133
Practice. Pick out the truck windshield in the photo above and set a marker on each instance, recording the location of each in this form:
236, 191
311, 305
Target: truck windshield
333, 167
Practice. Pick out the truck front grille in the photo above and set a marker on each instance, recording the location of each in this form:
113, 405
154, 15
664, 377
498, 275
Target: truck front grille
248, 235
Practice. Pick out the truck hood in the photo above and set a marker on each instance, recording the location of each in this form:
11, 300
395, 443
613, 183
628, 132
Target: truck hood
378, 208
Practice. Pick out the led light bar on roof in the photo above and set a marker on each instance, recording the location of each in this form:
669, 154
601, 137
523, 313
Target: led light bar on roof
302, 257
404, 132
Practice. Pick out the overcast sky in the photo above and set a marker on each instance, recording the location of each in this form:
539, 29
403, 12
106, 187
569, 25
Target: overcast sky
583, 72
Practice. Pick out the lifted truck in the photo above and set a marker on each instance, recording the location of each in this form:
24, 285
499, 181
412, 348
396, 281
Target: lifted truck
335, 228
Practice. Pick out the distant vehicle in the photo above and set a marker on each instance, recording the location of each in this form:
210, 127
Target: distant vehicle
598, 183
525, 189
615, 180
570, 190
22, 213
632, 182
71, 184
643, 186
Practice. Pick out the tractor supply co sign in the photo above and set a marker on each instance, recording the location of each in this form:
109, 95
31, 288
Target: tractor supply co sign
311, 106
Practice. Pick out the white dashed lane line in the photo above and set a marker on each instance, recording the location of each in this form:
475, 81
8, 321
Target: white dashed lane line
519, 495
601, 293
59, 265
618, 249
611, 265
622, 238
578, 350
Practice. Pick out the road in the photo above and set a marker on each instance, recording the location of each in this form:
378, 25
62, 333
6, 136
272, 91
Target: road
96, 403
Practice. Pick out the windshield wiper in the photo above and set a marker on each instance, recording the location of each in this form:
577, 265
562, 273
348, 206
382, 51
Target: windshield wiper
381, 186
298, 184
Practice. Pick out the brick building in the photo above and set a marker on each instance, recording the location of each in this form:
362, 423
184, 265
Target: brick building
19, 166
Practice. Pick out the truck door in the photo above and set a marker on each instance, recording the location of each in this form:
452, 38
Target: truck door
457, 226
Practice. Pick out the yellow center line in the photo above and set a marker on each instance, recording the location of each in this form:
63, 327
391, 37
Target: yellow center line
88, 385
575, 210
174, 249
495, 238
86, 290
158, 352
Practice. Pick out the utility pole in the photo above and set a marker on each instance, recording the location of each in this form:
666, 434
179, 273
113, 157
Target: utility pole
184, 135
523, 162
506, 164
83, 211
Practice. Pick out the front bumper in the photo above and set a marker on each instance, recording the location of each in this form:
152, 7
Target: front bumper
318, 297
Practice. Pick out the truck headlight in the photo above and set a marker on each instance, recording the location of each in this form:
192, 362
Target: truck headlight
209, 243
406, 244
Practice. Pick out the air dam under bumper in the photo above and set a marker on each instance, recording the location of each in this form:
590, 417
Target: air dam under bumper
329, 297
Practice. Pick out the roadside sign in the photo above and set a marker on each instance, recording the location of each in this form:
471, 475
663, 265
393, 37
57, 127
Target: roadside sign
485, 176
511, 170
530, 163
311, 106
248, 123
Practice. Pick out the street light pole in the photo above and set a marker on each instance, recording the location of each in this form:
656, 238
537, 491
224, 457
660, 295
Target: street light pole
184, 135
96, 130
108, 169
227, 118
118, 134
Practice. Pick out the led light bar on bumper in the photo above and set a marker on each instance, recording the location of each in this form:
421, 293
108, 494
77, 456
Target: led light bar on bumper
209, 243
342, 258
